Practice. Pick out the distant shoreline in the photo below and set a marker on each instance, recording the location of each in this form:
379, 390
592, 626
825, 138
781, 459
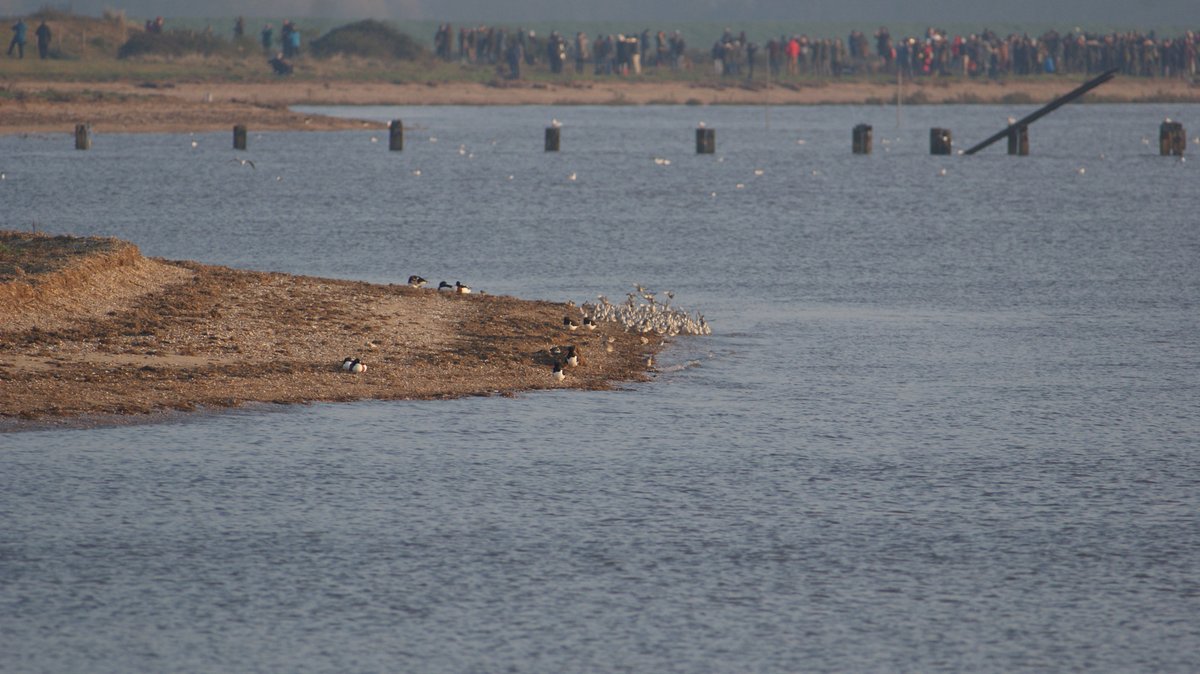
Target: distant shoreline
40, 106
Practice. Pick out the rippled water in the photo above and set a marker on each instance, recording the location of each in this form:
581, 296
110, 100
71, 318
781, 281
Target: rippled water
947, 421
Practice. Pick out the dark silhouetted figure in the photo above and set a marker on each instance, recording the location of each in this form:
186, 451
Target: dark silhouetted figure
20, 30
43, 40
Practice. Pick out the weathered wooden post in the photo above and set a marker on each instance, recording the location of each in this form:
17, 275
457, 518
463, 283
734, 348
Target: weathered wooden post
395, 135
83, 136
239, 137
862, 139
553, 137
706, 140
1018, 140
1172, 139
939, 141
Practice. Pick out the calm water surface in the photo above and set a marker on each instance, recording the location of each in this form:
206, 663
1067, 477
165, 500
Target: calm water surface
947, 421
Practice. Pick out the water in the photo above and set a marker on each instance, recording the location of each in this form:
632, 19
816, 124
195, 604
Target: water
946, 422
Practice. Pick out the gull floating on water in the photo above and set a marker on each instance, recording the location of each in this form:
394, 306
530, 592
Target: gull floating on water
555, 123
573, 176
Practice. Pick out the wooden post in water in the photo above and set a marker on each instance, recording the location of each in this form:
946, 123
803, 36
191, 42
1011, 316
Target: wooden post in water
861, 139
239, 137
553, 138
706, 140
939, 141
396, 135
1172, 139
1042, 112
83, 136
1018, 140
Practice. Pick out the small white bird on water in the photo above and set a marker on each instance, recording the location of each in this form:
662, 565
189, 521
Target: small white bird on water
573, 176
556, 124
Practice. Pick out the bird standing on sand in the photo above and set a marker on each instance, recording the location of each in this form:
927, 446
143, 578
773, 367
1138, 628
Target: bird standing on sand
416, 281
570, 324
558, 373
445, 286
572, 356
353, 365
589, 323
461, 289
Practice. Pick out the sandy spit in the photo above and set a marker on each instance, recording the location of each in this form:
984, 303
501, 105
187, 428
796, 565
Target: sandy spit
129, 107
157, 335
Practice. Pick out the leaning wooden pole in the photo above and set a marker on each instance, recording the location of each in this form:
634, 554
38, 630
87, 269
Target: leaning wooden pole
1047, 109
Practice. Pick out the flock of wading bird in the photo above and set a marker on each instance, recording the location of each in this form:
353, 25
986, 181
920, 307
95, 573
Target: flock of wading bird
641, 312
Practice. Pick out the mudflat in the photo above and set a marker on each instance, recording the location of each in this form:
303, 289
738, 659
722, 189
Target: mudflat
90, 327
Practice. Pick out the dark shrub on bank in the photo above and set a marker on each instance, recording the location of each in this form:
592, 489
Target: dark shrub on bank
368, 39
173, 43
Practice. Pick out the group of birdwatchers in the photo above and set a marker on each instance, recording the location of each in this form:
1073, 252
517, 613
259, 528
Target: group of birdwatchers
20, 32
934, 53
619, 54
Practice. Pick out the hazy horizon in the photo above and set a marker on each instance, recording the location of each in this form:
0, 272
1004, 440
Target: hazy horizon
864, 12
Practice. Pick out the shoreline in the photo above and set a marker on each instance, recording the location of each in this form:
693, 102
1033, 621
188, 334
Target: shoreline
157, 336
35, 106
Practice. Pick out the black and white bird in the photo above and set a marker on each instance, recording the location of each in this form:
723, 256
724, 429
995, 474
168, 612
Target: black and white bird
416, 281
445, 286
572, 356
244, 162
589, 323
558, 373
570, 323
461, 289
353, 365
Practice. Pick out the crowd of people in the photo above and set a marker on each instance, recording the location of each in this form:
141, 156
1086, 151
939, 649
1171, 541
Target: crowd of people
934, 53
1133, 53
621, 53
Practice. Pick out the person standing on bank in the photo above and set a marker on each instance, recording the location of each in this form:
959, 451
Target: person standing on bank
43, 39
20, 30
